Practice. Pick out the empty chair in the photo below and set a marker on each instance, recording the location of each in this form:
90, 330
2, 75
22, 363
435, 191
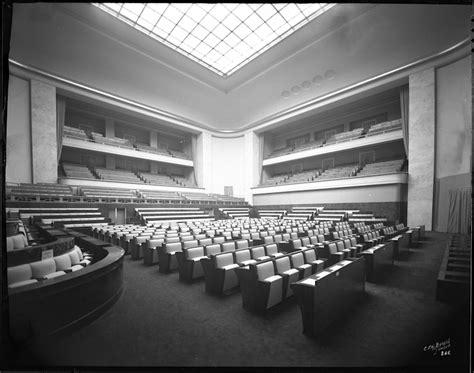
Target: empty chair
63, 263
311, 258
243, 257
329, 251
20, 275
295, 244
46, 269
150, 252
270, 287
272, 250
167, 256
341, 248
290, 275
189, 263
136, 248
199, 236
306, 242
186, 238
205, 241
228, 246
219, 272
354, 243
298, 262
268, 240
258, 253
241, 244
218, 239
212, 249
192, 243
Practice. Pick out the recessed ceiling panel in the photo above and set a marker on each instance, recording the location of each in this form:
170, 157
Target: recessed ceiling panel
222, 37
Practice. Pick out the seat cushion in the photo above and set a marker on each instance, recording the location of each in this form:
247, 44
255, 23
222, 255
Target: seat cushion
229, 267
290, 272
42, 268
74, 257
272, 278
19, 273
22, 283
19, 241
79, 252
248, 262
76, 268
54, 274
62, 262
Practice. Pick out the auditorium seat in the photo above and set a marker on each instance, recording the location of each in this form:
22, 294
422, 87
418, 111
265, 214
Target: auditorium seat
289, 274
212, 249
298, 262
310, 257
341, 248
219, 271
189, 263
20, 275
243, 257
46, 269
167, 256
16, 242
228, 246
270, 286
272, 250
258, 253
329, 252
150, 253
218, 239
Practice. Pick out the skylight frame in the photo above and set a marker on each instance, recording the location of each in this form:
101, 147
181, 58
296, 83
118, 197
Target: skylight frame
264, 34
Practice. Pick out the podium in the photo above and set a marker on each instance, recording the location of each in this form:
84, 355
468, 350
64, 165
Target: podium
327, 296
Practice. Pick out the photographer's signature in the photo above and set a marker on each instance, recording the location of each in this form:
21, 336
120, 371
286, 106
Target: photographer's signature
439, 348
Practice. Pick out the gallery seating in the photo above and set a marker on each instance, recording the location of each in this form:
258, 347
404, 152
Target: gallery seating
116, 175
77, 171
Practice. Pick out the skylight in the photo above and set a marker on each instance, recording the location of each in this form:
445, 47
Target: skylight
222, 37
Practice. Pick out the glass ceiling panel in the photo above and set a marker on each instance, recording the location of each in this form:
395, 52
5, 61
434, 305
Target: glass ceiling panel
222, 37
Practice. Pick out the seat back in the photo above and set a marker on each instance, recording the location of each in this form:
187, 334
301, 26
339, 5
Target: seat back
172, 240
271, 249
264, 234
296, 244
199, 236
282, 264
212, 249
285, 237
257, 252
62, 262
155, 242
241, 256
267, 240
297, 259
242, 244
228, 246
191, 243
353, 241
19, 273
309, 255
321, 237
42, 268
227, 235
313, 240
278, 238
254, 236
172, 247
305, 241
194, 252
205, 241
264, 270
332, 248
187, 238
224, 259
293, 235
218, 239
340, 245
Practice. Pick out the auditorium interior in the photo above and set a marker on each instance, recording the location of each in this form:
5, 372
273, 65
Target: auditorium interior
236, 185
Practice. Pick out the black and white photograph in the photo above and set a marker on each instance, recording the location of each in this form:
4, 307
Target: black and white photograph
236, 185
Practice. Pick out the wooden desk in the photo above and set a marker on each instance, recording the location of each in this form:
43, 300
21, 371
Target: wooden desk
378, 259
328, 295
400, 244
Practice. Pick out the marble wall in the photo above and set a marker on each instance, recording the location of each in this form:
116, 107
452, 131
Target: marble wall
421, 148
43, 132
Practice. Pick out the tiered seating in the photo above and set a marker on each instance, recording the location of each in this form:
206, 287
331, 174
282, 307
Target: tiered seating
277, 214
181, 180
367, 217
198, 197
275, 180
240, 212
379, 168
151, 149
339, 172
113, 141
281, 151
310, 145
39, 192
230, 199
385, 127
77, 171
454, 275
302, 177
171, 214
178, 154
312, 210
157, 179
123, 176
64, 216
74, 133
102, 194
345, 136
43, 270
161, 196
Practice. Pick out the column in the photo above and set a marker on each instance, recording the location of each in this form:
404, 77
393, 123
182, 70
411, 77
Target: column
203, 160
421, 150
109, 127
252, 162
154, 139
44, 146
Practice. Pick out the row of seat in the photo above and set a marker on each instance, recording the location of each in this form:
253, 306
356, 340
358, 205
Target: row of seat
26, 274
341, 136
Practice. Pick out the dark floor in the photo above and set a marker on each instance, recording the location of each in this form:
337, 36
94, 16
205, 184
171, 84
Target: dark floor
160, 321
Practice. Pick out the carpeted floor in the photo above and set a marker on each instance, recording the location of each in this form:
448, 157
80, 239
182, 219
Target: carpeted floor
160, 321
